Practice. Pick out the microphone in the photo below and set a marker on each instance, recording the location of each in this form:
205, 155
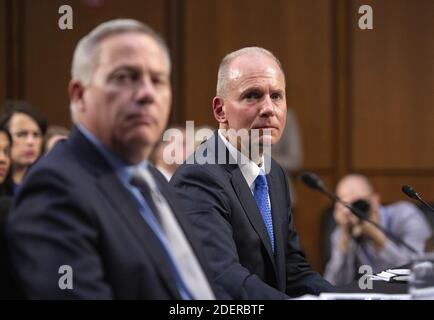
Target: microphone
411, 193
314, 182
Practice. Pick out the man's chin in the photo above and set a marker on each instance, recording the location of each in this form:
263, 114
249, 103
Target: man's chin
134, 151
143, 135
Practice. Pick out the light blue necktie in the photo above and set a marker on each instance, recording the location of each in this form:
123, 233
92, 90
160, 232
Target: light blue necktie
262, 200
144, 189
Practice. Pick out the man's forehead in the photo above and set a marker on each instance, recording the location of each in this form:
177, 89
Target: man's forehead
253, 63
127, 44
353, 187
251, 67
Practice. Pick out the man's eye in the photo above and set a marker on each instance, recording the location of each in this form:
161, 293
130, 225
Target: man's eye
253, 95
276, 96
126, 77
158, 80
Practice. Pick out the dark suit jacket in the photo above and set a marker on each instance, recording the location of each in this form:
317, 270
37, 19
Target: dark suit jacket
8, 288
226, 218
73, 210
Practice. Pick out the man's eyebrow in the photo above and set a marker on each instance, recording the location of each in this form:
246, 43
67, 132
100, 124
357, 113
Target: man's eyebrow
134, 68
252, 89
280, 91
125, 67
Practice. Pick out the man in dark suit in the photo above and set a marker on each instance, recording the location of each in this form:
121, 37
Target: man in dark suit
93, 220
236, 196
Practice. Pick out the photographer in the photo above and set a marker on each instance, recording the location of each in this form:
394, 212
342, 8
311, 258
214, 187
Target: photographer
355, 242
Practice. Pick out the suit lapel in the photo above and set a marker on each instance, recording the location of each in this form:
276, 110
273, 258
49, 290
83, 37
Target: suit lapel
246, 199
123, 203
180, 217
243, 192
276, 209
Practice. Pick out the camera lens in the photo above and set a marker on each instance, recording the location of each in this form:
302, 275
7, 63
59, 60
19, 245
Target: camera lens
363, 206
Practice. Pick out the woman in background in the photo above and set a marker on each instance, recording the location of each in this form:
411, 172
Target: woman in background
5, 159
27, 129
7, 286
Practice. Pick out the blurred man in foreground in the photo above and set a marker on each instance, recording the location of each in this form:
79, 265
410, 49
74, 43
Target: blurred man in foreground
93, 219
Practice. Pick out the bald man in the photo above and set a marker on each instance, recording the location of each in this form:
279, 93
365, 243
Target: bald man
355, 243
237, 200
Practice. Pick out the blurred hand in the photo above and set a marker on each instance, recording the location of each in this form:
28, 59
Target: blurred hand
349, 225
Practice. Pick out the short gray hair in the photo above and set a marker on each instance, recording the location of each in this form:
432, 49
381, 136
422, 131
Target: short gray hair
222, 76
85, 57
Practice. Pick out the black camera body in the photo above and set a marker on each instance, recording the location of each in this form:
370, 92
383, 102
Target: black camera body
363, 206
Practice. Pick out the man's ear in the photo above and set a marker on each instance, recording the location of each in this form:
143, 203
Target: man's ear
76, 92
219, 110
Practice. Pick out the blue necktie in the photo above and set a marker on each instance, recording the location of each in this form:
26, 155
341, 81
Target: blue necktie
261, 196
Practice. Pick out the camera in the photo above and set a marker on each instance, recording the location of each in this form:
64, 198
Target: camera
363, 206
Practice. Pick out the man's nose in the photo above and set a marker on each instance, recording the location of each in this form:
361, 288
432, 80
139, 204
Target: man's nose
268, 107
145, 93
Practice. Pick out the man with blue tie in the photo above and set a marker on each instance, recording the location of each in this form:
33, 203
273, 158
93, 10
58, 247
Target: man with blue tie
93, 219
236, 196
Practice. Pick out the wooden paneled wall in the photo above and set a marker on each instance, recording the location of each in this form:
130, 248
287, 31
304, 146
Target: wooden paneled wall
364, 98
45, 51
2, 49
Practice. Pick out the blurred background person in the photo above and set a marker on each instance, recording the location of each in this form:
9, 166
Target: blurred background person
6, 282
27, 129
171, 151
355, 242
288, 152
178, 148
54, 134
5, 160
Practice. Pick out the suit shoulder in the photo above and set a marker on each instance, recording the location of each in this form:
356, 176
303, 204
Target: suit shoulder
59, 163
201, 172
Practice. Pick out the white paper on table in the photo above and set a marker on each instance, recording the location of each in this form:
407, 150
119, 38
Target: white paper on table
392, 274
400, 272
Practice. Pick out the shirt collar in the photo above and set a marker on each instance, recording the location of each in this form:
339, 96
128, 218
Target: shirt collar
168, 175
249, 169
122, 167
